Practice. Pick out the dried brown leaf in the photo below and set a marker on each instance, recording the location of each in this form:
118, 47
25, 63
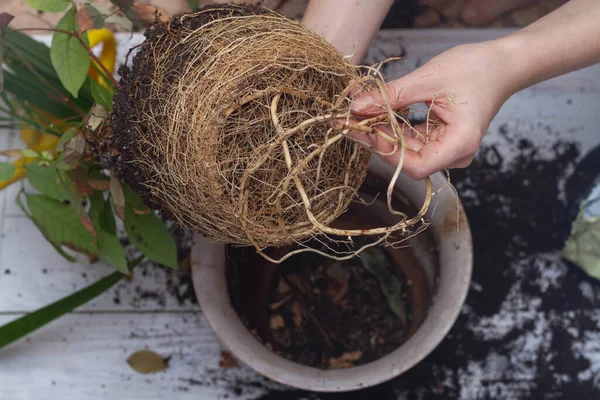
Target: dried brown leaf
79, 179
346, 360
297, 281
283, 287
227, 360
84, 19
277, 304
298, 314
117, 195
87, 222
99, 184
74, 151
276, 322
340, 276
5, 19
147, 362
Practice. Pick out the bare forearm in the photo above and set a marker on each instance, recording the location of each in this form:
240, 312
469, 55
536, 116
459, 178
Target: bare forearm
349, 25
563, 41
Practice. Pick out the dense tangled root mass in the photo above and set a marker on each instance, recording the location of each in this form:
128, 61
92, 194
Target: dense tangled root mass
226, 122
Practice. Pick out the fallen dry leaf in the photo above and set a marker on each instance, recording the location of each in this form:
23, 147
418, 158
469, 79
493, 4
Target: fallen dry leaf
281, 302
227, 360
276, 322
147, 362
337, 289
346, 360
298, 282
298, 314
282, 287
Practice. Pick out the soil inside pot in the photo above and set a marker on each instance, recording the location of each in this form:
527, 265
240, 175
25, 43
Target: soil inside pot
337, 314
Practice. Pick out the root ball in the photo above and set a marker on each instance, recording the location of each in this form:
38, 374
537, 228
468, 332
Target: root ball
225, 122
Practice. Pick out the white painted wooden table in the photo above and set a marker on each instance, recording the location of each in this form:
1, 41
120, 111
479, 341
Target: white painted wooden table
83, 355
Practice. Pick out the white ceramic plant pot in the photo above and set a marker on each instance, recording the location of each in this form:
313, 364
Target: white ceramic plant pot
450, 231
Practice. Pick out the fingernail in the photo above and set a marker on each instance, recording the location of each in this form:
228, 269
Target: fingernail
362, 103
468, 14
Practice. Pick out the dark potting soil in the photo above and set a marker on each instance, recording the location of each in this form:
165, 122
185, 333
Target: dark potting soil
331, 314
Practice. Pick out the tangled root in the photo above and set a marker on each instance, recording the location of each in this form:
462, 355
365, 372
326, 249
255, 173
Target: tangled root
232, 121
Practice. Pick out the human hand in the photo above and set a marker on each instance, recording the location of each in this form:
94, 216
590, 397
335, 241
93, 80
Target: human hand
464, 88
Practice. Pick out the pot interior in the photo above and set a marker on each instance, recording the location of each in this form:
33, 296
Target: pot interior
250, 277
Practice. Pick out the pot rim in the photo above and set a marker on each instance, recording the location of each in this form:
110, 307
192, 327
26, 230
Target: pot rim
453, 239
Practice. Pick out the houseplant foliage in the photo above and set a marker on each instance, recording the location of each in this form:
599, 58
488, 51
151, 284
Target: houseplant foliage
58, 98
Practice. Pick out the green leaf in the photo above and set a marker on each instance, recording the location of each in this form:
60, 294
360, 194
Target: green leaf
19, 87
6, 170
107, 219
69, 58
111, 18
123, 4
193, 4
58, 249
30, 153
68, 135
148, 233
379, 264
101, 95
582, 247
109, 246
30, 322
120, 20
47, 180
49, 5
60, 223
1, 64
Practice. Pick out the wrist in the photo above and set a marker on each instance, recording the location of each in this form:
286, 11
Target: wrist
348, 26
517, 70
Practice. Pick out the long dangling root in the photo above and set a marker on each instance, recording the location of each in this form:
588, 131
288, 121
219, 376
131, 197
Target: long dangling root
233, 121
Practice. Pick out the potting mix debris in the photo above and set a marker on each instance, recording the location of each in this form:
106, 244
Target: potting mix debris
530, 328
331, 315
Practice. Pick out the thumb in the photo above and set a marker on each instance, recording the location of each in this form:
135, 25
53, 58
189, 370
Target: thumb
409, 89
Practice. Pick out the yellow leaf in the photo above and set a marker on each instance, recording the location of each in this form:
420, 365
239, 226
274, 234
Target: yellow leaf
19, 173
108, 55
146, 362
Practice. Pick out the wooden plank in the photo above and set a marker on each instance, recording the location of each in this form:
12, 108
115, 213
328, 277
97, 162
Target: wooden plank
33, 274
83, 356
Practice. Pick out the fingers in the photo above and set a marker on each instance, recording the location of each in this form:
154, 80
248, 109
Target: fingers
407, 90
448, 147
452, 149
